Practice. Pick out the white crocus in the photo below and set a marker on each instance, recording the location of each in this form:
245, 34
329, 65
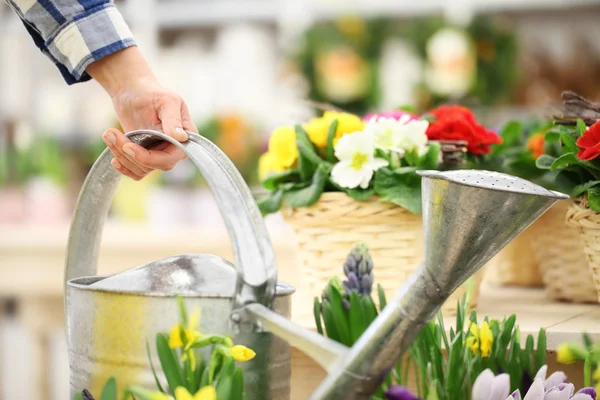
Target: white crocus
356, 152
399, 135
487, 386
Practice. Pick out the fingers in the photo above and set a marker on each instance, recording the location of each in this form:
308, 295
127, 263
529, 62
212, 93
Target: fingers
119, 167
169, 113
164, 159
186, 119
121, 147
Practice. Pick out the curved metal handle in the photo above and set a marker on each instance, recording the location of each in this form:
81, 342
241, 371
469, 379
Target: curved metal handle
255, 260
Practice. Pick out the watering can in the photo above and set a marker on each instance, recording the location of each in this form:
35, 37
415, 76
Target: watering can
469, 216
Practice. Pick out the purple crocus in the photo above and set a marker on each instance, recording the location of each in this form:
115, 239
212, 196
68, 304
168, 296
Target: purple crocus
398, 392
555, 387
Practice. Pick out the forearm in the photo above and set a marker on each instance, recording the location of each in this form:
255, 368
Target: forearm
74, 33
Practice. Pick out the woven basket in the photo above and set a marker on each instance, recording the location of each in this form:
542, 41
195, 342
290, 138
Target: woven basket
559, 251
326, 232
516, 264
587, 223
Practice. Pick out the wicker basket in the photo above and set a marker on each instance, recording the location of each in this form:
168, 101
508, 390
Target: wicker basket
559, 251
327, 231
516, 264
587, 222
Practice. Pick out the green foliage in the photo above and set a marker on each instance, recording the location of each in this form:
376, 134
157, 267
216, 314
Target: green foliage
444, 361
188, 366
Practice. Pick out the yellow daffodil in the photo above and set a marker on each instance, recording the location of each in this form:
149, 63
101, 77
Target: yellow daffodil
282, 147
159, 396
191, 333
480, 339
565, 355
318, 128
268, 164
242, 353
597, 379
206, 393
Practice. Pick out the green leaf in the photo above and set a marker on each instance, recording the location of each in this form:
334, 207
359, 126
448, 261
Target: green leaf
369, 309
587, 340
309, 195
78, 396
360, 194
570, 159
317, 314
507, 330
330, 327
225, 379
357, 319
339, 317
237, 386
545, 161
593, 197
540, 355
431, 159
568, 143
158, 385
330, 137
401, 189
587, 371
308, 159
273, 180
580, 189
169, 362
511, 133
110, 390
553, 134
182, 310
205, 377
581, 128
271, 203
382, 299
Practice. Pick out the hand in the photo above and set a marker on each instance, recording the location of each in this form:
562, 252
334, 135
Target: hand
141, 103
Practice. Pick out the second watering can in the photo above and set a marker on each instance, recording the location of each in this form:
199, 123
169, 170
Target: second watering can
109, 320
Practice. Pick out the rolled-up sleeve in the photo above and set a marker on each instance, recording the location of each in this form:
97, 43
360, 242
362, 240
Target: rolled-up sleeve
74, 33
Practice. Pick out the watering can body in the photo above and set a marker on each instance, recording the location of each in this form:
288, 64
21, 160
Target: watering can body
110, 320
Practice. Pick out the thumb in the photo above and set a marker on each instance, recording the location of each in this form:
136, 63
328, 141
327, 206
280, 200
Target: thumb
170, 117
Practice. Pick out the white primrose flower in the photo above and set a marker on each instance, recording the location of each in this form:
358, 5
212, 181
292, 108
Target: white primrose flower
356, 152
399, 135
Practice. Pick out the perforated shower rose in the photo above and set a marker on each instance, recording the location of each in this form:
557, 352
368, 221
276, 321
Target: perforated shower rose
459, 123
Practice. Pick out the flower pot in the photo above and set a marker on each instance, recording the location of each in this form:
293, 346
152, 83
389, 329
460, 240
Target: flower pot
586, 222
326, 232
559, 250
516, 264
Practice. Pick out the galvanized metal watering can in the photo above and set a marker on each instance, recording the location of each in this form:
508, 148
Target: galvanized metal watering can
468, 215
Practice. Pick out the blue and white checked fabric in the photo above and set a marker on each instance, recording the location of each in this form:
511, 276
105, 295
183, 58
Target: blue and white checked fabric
74, 33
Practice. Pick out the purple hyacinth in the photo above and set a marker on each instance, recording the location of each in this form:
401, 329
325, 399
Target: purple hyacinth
358, 269
398, 392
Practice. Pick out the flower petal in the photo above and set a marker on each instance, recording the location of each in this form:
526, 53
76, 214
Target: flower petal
555, 379
206, 393
500, 387
536, 391
541, 374
483, 385
344, 175
590, 391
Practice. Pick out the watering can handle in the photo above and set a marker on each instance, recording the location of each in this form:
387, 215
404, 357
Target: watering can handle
255, 260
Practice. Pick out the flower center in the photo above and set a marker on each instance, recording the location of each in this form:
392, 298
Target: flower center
385, 139
359, 160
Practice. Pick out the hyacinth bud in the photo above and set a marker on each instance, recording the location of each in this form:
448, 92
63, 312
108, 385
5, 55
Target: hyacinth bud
358, 269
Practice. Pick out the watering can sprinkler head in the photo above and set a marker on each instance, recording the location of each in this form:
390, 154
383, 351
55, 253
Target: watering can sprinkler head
468, 217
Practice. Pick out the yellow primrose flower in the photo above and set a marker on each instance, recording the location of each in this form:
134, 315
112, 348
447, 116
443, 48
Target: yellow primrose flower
191, 332
282, 146
318, 128
480, 339
565, 355
242, 353
206, 393
267, 164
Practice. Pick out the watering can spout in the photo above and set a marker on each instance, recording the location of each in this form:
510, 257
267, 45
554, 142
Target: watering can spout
468, 216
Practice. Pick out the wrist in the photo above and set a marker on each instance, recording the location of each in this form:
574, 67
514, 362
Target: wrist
117, 71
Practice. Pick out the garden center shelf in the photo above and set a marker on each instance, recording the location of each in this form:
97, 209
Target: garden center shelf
32, 262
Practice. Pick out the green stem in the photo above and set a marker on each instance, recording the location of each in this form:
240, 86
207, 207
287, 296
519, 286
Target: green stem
587, 371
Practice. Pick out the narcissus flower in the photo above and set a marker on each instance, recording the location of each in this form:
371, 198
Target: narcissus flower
206, 393
190, 332
242, 353
357, 160
480, 339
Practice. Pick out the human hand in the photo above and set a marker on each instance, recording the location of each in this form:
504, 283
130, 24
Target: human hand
141, 103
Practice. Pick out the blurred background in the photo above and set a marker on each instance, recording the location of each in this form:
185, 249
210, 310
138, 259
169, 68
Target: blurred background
244, 67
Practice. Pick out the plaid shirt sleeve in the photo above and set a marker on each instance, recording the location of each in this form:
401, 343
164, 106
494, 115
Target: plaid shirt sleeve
74, 33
